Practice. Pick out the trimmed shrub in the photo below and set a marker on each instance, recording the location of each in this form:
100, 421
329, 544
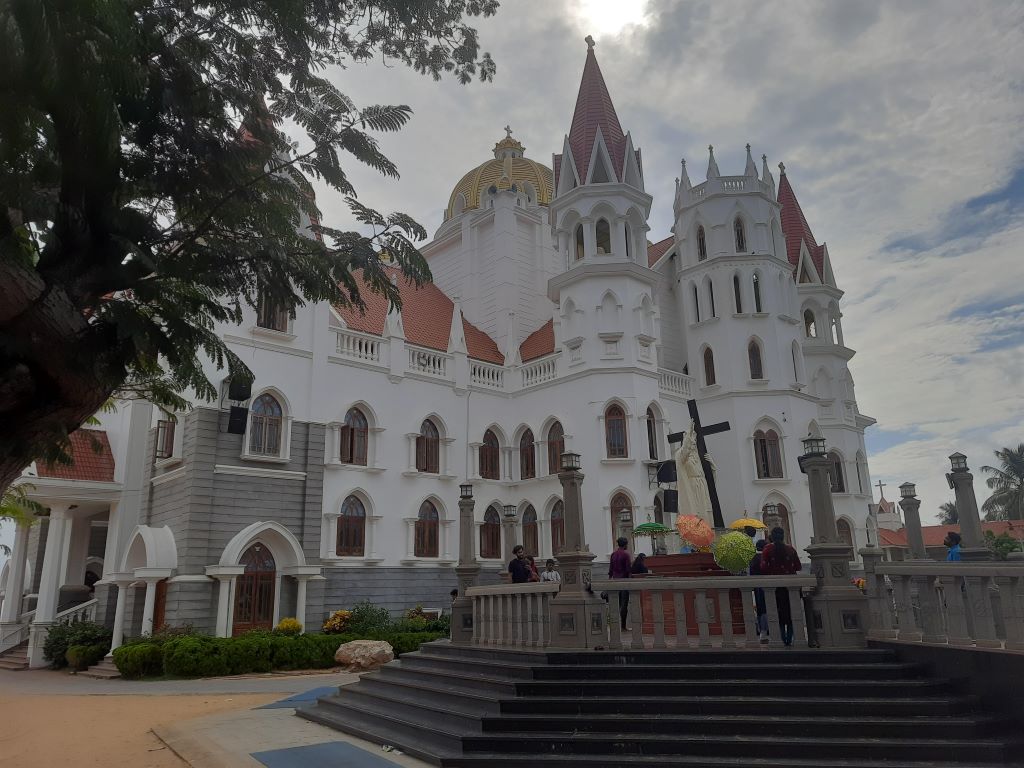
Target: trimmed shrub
196, 657
63, 636
288, 627
337, 622
366, 618
81, 657
139, 660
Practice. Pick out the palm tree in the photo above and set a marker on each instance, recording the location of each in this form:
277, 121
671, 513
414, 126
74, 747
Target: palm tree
1007, 485
948, 514
16, 505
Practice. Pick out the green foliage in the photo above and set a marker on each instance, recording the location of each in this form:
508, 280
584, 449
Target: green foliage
139, 660
149, 194
948, 514
367, 618
15, 505
1003, 544
164, 634
81, 657
64, 635
1007, 485
290, 626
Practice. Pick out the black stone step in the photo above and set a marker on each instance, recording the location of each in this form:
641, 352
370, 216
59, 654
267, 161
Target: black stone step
747, 745
455, 716
757, 702
430, 691
463, 679
767, 725
486, 667
767, 760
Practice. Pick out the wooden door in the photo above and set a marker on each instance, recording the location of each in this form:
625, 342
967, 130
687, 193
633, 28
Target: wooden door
254, 591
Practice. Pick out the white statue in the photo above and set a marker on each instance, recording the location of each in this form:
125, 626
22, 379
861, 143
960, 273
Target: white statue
692, 486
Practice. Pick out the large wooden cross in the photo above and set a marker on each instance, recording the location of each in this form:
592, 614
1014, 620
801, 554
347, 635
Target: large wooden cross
702, 450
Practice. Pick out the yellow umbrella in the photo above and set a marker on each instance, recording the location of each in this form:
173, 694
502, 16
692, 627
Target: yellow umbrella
745, 522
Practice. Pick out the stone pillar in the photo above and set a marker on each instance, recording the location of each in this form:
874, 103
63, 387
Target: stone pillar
879, 604
150, 603
972, 544
912, 521
49, 584
119, 611
467, 572
300, 599
576, 617
928, 600
11, 609
838, 608
508, 538
226, 575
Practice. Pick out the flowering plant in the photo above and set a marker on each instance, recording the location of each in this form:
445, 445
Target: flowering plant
289, 626
337, 622
860, 583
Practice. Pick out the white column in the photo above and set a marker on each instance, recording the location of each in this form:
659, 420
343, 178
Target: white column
300, 600
77, 551
11, 609
411, 439
370, 548
147, 611
110, 561
53, 558
122, 595
224, 606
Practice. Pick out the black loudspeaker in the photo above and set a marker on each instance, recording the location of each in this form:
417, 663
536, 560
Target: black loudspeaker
667, 472
239, 389
237, 420
671, 502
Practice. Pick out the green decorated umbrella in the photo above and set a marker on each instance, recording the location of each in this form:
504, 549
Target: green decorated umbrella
733, 551
651, 529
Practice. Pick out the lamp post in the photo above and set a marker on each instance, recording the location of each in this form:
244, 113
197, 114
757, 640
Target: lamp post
961, 481
838, 608
467, 571
575, 614
910, 505
771, 511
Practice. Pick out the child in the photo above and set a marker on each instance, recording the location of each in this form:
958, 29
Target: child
550, 574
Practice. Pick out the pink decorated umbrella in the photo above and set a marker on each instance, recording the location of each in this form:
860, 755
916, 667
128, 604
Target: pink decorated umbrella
694, 530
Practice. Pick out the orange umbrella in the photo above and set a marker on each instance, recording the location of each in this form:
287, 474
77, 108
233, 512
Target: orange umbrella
694, 530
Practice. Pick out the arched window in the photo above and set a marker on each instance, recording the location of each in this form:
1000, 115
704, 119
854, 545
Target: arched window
652, 434
629, 245
604, 236
757, 292
709, 367
490, 456
810, 328
702, 245
784, 522
490, 535
754, 357
836, 472
428, 448
622, 516
427, 528
696, 304
557, 527
615, 432
556, 447
254, 591
736, 294
767, 454
844, 531
740, 235
579, 242
711, 299
531, 532
527, 456
353, 438
351, 528
265, 426
833, 329
270, 314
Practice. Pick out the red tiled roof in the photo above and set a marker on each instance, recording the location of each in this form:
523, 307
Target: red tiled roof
426, 315
594, 108
934, 534
539, 343
796, 229
656, 250
86, 462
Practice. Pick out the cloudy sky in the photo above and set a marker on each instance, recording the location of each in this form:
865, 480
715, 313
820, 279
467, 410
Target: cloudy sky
900, 126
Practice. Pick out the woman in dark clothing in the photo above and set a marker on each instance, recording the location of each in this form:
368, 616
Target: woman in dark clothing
760, 606
780, 559
640, 564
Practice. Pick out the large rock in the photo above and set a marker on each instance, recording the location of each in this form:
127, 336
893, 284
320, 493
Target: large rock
364, 654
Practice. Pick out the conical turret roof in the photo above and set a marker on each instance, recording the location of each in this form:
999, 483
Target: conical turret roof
594, 109
796, 229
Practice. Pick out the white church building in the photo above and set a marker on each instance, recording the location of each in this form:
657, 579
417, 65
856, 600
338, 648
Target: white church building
553, 323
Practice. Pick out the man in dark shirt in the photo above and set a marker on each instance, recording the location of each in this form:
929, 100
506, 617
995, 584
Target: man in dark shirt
519, 566
619, 568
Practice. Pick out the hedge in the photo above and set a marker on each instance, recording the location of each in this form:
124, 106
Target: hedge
66, 634
81, 657
203, 656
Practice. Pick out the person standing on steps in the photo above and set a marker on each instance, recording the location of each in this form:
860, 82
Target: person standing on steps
519, 566
619, 568
760, 606
780, 559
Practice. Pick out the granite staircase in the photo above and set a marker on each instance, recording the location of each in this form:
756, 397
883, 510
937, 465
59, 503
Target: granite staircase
15, 659
477, 708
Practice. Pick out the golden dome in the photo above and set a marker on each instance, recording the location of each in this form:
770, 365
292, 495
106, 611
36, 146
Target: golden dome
508, 167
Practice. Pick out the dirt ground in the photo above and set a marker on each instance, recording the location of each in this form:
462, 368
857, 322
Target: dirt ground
109, 731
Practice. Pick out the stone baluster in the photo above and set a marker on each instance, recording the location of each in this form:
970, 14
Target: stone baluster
905, 609
879, 603
979, 602
463, 628
1011, 598
930, 615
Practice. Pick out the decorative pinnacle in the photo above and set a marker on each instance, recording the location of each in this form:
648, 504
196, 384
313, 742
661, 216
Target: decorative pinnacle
748, 147
508, 132
589, 40
782, 168
711, 148
764, 158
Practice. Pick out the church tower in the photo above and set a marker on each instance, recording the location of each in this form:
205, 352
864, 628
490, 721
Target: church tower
606, 310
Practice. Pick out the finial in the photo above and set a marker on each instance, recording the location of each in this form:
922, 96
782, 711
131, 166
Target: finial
683, 161
508, 132
711, 149
764, 158
782, 168
748, 146
589, 40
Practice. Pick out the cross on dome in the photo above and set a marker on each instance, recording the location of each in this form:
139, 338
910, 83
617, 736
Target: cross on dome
589, 40
508, 132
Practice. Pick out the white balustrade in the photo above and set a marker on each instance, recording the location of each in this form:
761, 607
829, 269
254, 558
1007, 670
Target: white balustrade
674, 383
539, 371
12, 637
512, 615
428, 361
82, 612
487, 375
358, 346
962, 604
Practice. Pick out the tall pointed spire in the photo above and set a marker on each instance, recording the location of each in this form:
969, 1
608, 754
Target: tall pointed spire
751, 169
684, 176
594, 109
795, 227
713, 172
766, 174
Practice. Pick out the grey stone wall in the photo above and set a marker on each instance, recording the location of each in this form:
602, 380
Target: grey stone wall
396, 589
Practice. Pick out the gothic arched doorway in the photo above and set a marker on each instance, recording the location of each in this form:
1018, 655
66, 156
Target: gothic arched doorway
254, 591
